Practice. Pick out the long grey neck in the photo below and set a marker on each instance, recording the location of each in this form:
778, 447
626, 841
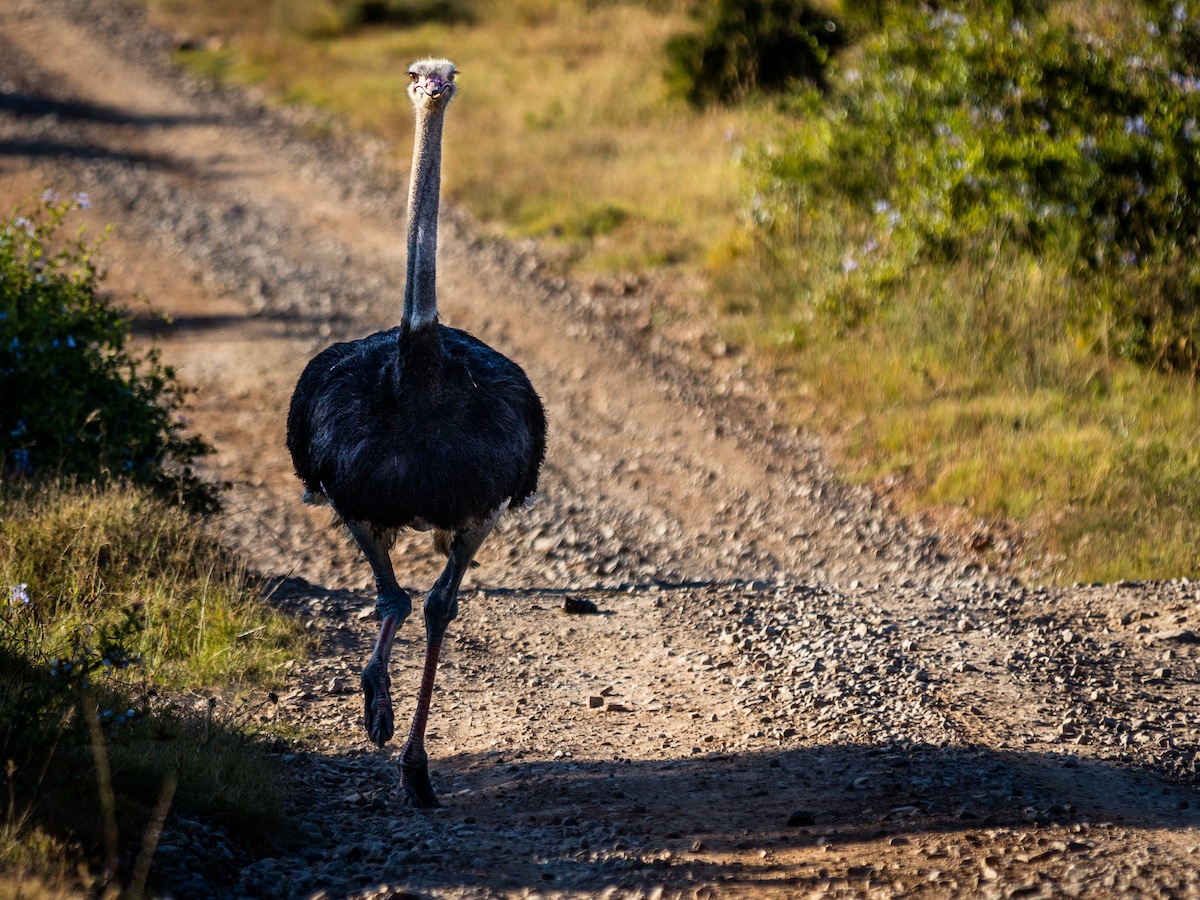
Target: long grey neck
424, 187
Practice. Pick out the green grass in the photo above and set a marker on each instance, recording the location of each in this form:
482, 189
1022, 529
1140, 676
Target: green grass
923, 261
120, 560
995, 416
114, 601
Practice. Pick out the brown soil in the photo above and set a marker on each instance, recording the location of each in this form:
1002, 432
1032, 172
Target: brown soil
787, 690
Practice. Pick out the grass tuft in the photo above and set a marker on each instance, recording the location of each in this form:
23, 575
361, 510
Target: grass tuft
142, 574
111, 596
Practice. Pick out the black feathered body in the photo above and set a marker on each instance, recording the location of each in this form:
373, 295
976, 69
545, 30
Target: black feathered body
426, 427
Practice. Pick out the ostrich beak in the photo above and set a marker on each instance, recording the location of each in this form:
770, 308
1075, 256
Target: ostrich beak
434, 87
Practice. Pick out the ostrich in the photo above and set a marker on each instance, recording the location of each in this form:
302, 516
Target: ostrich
422, 426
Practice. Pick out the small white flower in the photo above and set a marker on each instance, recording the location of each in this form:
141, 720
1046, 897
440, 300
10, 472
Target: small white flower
19, 593
1137, 125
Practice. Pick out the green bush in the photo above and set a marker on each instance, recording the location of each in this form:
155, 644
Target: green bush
406, 13
958, 133
866, 16
332, 18
760, 45
75, 402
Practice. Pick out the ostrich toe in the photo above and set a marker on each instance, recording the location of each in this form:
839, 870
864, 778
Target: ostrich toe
377, 702
415, 787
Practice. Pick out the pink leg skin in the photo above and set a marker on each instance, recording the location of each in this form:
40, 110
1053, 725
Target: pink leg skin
441, 608
414, 763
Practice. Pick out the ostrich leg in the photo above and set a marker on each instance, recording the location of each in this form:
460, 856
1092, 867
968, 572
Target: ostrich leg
394, 605
441, 607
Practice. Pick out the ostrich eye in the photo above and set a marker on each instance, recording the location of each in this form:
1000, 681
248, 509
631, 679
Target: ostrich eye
412, 76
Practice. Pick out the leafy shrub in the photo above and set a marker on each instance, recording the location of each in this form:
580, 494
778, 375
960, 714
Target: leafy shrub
964, 132
407, 13
866, 16
743, 46
74, 401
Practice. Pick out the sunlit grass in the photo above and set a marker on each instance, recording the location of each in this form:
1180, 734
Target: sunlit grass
562, 130
1000, 416
1006, 378
116, 558
110, 598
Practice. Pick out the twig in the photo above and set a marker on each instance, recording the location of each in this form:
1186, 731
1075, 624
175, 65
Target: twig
141, 870
108, 804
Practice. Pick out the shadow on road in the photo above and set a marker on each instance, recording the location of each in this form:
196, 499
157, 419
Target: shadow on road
55, 144
694, 819
34, 106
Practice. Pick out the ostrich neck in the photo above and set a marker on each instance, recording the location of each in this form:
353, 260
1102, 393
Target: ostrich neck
424, 186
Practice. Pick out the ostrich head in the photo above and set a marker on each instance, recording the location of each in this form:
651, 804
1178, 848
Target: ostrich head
431, 83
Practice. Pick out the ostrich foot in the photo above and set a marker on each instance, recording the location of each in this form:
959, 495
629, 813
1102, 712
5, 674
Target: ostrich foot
377, 702
416, 789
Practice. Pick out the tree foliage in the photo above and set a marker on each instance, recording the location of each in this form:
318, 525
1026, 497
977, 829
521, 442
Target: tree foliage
964, 131
742, 46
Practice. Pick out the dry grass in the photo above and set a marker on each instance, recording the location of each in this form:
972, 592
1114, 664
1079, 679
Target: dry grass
1000, 419
563, 129
110, 595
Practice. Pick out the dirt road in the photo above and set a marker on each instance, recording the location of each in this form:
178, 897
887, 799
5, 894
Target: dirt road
788, 691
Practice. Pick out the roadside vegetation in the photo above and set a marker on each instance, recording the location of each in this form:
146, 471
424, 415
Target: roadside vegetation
961, 236
977, 260
120, 612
